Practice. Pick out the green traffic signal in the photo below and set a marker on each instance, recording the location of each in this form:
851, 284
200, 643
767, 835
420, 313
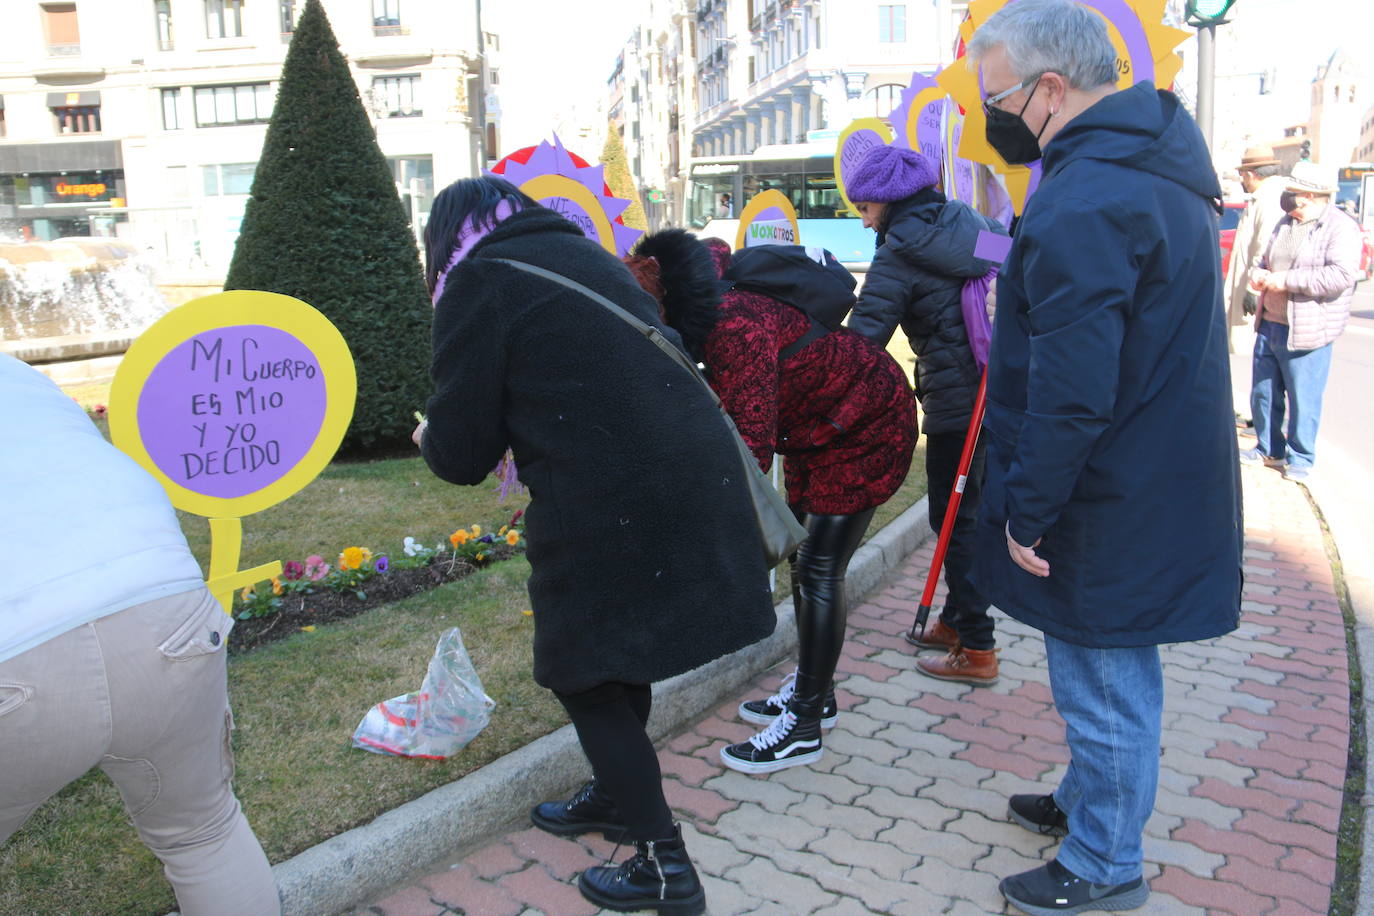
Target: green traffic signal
1207, 12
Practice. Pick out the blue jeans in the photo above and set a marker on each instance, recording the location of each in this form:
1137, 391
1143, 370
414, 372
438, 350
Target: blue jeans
1301, 374
1112, 701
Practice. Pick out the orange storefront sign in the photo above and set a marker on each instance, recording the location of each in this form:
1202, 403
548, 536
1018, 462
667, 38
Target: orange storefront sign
94, 189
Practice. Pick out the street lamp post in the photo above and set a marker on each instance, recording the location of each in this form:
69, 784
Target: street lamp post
1205, 16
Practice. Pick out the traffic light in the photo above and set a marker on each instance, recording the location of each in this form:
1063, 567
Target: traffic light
1306, 150
1207, 12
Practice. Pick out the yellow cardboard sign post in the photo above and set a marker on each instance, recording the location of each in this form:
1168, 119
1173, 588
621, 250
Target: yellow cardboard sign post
234, 402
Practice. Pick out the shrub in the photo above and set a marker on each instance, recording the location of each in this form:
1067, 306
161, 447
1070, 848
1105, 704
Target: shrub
324, 224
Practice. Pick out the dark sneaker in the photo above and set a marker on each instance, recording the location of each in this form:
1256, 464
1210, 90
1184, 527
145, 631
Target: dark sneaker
589, 810
764, 712
1052, 889
1038, 814
788, 742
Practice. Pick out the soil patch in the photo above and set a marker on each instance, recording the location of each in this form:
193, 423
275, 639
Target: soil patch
324, 605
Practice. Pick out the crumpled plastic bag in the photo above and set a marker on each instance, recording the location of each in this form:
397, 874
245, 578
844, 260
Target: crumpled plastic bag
449, 710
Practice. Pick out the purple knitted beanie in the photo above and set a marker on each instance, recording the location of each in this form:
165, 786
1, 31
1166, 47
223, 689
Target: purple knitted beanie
887, 173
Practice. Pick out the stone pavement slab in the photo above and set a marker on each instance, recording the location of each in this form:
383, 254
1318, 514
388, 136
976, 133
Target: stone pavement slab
906, 813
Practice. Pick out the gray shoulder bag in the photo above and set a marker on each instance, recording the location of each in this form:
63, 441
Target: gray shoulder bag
780, 530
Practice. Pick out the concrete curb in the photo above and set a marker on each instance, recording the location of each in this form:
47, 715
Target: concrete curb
338, 873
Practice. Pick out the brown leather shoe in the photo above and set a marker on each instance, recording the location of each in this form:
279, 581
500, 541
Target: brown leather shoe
968, 666
936, 636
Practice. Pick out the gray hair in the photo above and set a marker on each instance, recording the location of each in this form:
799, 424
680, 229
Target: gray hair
1039, 36
1267, 171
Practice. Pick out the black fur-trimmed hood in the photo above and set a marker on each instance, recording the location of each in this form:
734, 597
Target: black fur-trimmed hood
691, 285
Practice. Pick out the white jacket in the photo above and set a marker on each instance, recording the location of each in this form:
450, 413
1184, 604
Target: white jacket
84, 531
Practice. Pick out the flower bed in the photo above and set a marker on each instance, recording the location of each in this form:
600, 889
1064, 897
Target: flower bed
313, 592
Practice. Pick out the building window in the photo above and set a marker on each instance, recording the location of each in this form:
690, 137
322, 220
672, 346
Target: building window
162, 17
233, 178
171, 109
249, 103
886, 98
223, 18
288, 16
892, 23
60, 29
386, 17
77, 119
394, 96
2, 117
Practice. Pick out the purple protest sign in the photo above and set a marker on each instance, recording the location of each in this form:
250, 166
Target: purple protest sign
855, 146
233, 409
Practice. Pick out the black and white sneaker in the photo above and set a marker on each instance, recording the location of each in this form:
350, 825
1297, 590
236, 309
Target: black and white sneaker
788, 742
764, 712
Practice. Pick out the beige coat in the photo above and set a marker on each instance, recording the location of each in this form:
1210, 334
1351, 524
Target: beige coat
1256, 227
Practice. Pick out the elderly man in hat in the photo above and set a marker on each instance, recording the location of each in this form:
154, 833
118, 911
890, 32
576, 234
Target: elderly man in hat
1261, 177
1305, 282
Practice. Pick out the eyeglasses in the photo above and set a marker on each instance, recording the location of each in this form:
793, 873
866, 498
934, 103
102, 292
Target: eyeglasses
991, 101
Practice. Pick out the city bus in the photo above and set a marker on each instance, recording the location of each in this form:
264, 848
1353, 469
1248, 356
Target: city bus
719, 187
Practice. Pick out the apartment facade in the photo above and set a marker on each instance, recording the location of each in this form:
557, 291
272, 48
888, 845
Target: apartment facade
144, 119
706, 78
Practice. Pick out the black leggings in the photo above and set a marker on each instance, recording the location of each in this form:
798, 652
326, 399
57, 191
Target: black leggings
818, 596
610, 720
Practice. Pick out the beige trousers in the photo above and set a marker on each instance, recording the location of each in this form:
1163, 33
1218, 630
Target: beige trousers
142, 695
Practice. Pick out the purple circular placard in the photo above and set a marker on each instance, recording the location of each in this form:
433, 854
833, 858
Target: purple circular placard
232, 410
855, 145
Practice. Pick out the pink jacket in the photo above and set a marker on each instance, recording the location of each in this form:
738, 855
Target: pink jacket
1321, 281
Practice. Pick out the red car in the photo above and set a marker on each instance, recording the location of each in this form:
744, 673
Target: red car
1228, 221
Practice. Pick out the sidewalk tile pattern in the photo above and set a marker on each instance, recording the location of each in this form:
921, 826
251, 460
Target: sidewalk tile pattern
906, 811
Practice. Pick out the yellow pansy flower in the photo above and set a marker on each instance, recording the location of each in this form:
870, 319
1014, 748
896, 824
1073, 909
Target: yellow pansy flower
276, 585
513, 538
477, 531
246, 593
458, 538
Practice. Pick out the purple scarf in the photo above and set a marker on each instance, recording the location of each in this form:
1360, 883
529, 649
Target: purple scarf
973, 299
468, 236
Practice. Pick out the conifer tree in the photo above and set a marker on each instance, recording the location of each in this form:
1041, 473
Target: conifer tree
324, 224
622, 183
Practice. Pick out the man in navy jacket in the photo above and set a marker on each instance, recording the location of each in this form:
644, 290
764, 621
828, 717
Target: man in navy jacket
1111, 515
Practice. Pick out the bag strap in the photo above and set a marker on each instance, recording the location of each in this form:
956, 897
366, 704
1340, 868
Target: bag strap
647, 330
815, 332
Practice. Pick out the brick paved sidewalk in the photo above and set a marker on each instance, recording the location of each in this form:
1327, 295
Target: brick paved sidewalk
906, 812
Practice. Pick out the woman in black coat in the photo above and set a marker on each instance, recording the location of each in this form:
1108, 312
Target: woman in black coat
925, 256
644, 550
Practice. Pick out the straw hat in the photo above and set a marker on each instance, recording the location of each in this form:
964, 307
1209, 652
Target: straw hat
1257, 157
1313, 178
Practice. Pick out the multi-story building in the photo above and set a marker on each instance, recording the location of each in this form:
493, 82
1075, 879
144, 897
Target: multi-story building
724, 77
1339, 99
145, 118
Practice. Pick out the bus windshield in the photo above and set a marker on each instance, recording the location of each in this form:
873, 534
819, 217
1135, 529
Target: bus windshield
721, 187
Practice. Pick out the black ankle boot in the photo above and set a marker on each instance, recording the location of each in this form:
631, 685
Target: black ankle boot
589, 810
658, 877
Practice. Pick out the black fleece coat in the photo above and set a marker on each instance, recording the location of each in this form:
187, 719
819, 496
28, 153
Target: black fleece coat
644, 550
924, 256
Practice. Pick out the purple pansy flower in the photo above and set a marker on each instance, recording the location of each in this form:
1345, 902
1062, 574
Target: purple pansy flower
381, 564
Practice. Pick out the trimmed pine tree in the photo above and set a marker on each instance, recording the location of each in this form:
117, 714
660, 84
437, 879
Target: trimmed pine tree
324, 224
622, 183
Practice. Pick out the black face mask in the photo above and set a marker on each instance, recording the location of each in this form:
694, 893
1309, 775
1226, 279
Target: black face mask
1008, 134
1288, 200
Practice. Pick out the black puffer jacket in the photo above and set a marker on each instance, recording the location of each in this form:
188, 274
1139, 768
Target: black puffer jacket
644, 549
924, 256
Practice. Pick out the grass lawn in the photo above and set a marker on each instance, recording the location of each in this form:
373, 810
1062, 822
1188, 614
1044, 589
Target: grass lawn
297, 701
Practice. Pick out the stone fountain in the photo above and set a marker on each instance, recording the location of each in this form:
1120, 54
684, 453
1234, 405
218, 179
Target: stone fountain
72, 306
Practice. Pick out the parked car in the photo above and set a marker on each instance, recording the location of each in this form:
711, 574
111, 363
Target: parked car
1228, 221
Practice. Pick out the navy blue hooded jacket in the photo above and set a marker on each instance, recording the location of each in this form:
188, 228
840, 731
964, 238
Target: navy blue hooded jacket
1109, 425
